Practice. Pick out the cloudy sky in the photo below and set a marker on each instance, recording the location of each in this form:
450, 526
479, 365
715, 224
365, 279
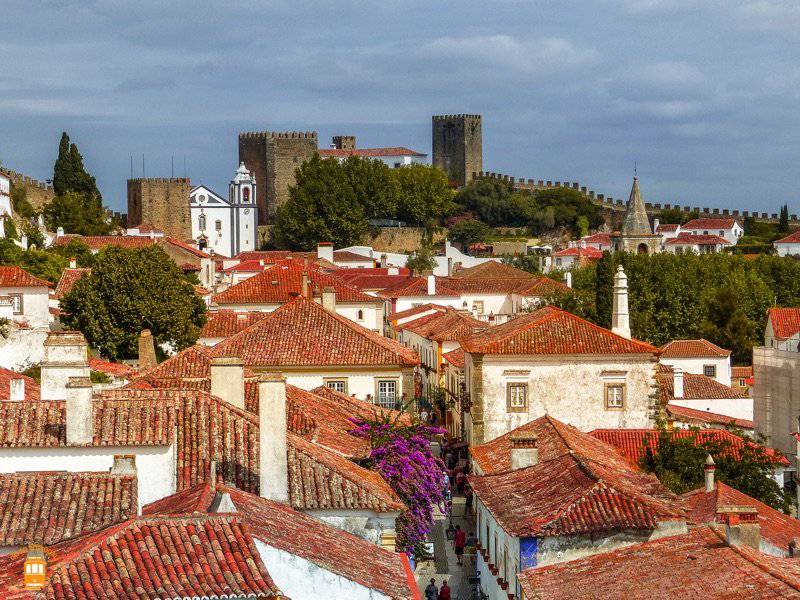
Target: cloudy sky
701, 94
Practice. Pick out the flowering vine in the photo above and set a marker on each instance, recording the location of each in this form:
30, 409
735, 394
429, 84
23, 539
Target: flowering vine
402, 455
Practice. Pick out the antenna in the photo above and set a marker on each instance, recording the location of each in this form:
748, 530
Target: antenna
173, 167
184, 166
143, 165
634, 168
131, 166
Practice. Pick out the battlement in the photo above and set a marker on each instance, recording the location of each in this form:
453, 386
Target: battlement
22, 179
460, 116
181, 180
294, 135
619, 205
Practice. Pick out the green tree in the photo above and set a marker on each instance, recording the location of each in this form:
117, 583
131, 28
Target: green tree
322, 206
727, 325
676, 216
39, 263
563, 207
421, 261
783, 224
469, 232
495, 202
131, 290
19, 202
526, 262
678, 462
76, 249
425, 197
69, 174
376, 190
77, 213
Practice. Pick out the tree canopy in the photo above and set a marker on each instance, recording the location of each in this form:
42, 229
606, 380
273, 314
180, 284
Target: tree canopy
69, 174
131, 290
469, 232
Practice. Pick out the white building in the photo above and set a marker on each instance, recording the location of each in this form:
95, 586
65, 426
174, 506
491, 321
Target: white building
727, 228
5, 195
344, 146
701, 393
226, 226
783, 329
788, 246
696, 243
24, 299
699, 357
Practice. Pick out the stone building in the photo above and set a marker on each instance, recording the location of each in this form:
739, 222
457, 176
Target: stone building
273, 156
161, 202
636, 235
458, 146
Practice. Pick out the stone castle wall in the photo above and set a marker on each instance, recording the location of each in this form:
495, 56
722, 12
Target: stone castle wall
37, 192
162, 203
457, 143
273, 156
400, 239
614, 207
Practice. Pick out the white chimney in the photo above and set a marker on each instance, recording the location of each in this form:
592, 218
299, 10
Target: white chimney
656, 223
568, 279
677, 382
17, 391
273, 463
709, 472
73, 264
325, 251
304, 285
124, 464
329, 299
227, 380
431, 285
23, 240
384, 261
80, 420
60, 232
620, 319
66, 355
449, 266
524, 451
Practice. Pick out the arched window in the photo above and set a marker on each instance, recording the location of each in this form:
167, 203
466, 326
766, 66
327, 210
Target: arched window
246, 194
218, 225
201, 222
360, 315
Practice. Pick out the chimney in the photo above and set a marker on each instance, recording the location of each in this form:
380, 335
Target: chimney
741, 525
73, 264
677, 382
524, 452
66, 355
709, 471
620, 320
124, 464
273, 463
80, 420
35, 568
227, 380
384, 261
60, 232
304, 285
16, 392
260, 262
325, 251
568, 279
794, 548
449, 266
329, 299
147, 351
656, 223
431, 285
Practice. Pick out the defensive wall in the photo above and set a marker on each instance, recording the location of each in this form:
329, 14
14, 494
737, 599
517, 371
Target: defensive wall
37, 192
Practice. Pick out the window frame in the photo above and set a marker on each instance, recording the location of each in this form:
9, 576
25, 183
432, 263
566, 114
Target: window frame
607, 387
477, 306
327, 381
393, 380
509, 406
712, 369
17, 299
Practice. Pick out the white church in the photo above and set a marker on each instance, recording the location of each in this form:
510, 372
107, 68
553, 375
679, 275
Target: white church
226, 226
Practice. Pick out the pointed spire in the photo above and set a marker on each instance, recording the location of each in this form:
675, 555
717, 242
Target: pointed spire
636, 221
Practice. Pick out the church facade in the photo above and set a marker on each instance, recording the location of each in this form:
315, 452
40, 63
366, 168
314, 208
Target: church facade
226, 226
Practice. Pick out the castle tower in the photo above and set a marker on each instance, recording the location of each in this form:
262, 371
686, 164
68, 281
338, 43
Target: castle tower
162, 203
272, 157
636, 235
344, 142
458, 146
244, 211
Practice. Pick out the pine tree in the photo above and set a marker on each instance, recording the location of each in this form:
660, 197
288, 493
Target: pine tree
783, 225
69, 174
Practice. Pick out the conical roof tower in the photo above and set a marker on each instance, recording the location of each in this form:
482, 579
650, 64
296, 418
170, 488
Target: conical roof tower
636, 221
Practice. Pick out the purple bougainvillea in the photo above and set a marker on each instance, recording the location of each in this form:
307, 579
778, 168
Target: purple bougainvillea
402, 455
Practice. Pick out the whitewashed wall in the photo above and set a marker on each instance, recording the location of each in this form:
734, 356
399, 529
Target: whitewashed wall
22, 348
695, 366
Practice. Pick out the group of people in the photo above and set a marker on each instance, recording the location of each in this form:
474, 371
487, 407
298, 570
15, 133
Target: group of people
434, 593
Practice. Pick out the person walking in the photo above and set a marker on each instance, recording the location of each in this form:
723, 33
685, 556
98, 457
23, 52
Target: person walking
444, 592
459, 541
432, 592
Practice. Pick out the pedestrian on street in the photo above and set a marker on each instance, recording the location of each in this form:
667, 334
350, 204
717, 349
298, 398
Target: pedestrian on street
467, 501
459, 541
461, 479
432, 592
444, 593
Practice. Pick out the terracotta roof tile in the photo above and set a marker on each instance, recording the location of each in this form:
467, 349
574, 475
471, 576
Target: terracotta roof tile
415, 310
69, 277
693, 349
588, 252
792, 238
283, 282
687, 239
455, 357
695, 387
328, 339
248, 266
697, 564
598, 238
111, 368
491, 269
366, 282
693, 415
32, 390
709, 223
225, 323
349, 256
776, 528
13, 276
448, 326
741, 372
785, 322
550, 330
663, 227
47, 508
367, 152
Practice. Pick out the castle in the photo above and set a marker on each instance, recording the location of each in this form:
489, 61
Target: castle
161, 202
457, 143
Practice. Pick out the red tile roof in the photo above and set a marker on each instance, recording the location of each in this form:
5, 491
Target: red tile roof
695, 387
184, 246
32, 391
693, 415
785, 322
281, 527
247, 266
328, 339
69, 277
697, 564
283, 282
416, 286
741, 372
598, 238
455, 357
693, 349
776, 528
709, 223
667, 227
13, 276
415, 310
492, 269
448, 326
111, 368
633, 442
588, 252
792, 238
549, 331
48, 507
687, 239
366, 282
198, 556
349, 256
225, 323
368, 152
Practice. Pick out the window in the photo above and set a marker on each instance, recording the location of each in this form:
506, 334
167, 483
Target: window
218, 225
360, 315
517, 397
16, 303
615, 395
387, 393
742, 383
246, 194
201, 222
477, 306
397, 165
710, 370
721, 233
340, 385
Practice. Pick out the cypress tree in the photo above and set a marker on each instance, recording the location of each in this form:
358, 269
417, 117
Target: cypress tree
783, 224
69, 174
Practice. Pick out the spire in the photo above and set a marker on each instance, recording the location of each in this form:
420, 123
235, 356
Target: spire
636, 221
